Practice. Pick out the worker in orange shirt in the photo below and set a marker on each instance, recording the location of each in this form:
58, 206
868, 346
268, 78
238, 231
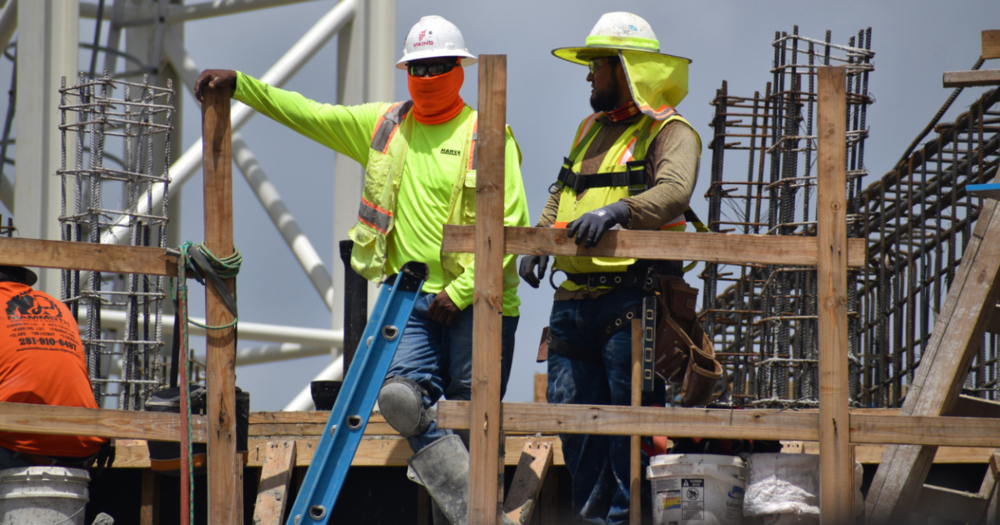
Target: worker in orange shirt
42, 362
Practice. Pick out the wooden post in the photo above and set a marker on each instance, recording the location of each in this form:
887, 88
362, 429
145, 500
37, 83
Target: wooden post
635, 474
225, 472
485, 450
836, 465
149, 511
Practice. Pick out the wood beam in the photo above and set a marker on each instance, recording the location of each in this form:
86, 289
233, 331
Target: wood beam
533, 465
150, 498
954, 505
645, 421
74, 421
936, 386
981, 77
791, 425
719, 248
991, 43
836, 466
486, 441
225, 470
275, 477
968, 406
86, 256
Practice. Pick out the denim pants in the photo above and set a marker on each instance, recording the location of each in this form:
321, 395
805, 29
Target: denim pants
598, 465
439, 359
11, 459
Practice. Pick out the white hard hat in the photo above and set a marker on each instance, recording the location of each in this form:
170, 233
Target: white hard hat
613, 32
434, 37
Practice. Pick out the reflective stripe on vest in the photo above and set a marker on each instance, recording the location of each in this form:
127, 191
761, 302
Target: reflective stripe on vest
473, 154
387, 125
385, 129
374, 216
587, 124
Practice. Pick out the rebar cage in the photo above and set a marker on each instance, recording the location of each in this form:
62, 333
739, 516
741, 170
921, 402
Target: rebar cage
916, 219
128, 132
764, 321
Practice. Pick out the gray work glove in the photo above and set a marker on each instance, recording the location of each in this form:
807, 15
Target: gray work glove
527, 268
589, 228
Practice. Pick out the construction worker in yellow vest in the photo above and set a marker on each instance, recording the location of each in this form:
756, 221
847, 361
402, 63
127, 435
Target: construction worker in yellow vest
632, 164
420, 163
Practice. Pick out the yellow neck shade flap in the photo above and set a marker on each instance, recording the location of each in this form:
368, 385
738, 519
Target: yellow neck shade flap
658, 82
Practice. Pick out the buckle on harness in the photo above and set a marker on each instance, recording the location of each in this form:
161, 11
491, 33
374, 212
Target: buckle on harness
635, 177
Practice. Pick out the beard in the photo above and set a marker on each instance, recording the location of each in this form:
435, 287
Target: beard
606, 99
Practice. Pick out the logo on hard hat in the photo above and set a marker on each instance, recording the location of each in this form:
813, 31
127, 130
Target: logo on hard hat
420, 40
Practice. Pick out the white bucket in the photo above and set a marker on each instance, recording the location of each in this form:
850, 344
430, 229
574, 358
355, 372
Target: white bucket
43, 495
697, 489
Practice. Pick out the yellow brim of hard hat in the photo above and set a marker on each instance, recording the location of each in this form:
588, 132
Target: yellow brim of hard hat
583, 55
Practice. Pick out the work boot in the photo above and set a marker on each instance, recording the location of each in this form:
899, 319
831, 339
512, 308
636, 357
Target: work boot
443, 468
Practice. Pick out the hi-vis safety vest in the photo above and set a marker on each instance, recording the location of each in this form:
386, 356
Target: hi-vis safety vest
378, 200
624, 163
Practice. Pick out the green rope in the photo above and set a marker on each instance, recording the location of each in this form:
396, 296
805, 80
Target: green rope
227, 268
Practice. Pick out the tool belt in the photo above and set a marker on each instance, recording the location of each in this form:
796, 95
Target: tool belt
641, 275
682, 352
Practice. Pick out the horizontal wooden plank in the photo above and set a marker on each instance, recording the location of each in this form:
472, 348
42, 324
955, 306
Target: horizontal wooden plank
660, 245
86, 256
644, 421
373, 451
800, 425
983, 77
925, 430
72, 421
872, 454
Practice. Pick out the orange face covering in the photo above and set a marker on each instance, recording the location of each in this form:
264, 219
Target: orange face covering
436, 99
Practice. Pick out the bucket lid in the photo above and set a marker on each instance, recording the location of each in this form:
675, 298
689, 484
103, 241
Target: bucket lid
45, 472
697, 459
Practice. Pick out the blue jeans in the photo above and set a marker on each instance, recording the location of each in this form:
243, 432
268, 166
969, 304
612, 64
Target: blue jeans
439, 359
599, 465
11, 459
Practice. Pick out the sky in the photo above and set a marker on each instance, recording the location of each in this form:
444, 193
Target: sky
914, 41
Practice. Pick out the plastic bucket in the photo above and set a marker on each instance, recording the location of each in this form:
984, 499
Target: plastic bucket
43, 495
702, 489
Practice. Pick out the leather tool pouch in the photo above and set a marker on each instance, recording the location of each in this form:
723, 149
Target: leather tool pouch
543, 347
683, 352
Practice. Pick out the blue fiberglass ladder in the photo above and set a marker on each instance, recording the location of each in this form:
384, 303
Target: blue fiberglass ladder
357, 398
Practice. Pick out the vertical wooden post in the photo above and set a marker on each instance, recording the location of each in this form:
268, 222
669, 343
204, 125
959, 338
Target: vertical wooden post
149, 511
635, 472
836, 465
225, 472
485, 451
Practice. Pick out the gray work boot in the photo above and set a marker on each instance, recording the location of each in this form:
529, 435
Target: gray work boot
443, 468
